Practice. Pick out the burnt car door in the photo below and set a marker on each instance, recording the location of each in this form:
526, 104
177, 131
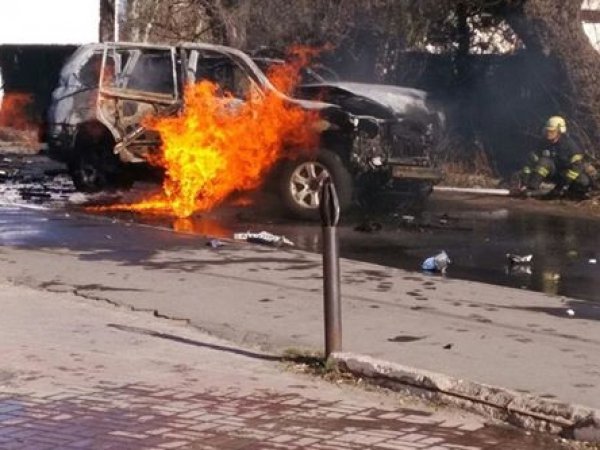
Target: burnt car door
137, 81
73, 99
233, 79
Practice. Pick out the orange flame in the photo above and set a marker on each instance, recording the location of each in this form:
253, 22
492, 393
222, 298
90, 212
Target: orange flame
13, 111
287, 76
220, 145
204, 226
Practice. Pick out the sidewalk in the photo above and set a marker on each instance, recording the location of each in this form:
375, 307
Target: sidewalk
518, 340
75, 375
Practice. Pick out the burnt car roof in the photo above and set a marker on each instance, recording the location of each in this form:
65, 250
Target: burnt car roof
384, 101
399, 100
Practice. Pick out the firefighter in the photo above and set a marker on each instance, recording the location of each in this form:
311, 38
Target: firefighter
558, 160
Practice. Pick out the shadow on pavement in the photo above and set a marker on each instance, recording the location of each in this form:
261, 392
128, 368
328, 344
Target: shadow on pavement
182, 340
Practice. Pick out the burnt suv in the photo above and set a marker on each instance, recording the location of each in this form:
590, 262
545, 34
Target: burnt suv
377, 137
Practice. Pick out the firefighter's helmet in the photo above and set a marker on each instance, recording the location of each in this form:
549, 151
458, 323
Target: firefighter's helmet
556, 123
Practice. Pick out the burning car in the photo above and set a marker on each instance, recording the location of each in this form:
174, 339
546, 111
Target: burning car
370, 137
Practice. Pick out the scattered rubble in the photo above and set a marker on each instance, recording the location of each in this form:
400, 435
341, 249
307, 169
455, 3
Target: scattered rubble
264, 237
438, 263
421, 224
214, 243
34, 179
368, 227
519, 259
518, 269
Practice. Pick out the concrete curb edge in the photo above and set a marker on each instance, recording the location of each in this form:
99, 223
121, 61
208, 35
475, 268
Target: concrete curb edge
526, 411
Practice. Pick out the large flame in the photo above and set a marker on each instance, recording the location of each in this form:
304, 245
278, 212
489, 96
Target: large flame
220, 145
14, 113
287, 76
17, 122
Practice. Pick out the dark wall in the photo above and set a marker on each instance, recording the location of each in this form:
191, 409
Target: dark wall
498, 101
33, 69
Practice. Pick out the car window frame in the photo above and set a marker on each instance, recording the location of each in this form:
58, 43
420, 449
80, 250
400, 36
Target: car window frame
130, 64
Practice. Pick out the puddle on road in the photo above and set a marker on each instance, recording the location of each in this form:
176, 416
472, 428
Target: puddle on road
565, 249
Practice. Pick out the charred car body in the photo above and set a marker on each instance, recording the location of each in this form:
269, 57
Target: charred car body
376, 136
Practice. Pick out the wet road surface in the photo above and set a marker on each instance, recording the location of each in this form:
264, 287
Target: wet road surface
477, 236
564, 249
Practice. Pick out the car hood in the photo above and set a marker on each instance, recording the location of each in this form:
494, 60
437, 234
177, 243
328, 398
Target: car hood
312, 105
399, 100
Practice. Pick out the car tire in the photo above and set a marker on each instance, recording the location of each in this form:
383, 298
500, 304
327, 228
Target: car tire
423, 190
300, 181
95, 168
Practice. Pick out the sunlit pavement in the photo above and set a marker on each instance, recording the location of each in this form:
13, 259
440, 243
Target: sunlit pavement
425, 322
87, 376
476, 231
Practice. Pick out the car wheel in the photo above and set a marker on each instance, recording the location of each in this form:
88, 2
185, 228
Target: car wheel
423, 190
301, 180
94, 169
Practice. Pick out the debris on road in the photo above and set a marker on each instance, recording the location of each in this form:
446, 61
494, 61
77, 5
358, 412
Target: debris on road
570, 313
445, 223
264, 237
368, 227
519, 259
7, 172
26, 179
214, 243
446, 220
437, 263
518, 269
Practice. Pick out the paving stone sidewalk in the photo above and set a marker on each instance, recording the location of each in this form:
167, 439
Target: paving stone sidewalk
75, 375
141, 416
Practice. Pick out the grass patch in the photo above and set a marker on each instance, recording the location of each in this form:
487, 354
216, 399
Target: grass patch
475, 172
466, 164
315, 363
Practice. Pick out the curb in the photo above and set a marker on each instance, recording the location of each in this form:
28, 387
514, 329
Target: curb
526, 411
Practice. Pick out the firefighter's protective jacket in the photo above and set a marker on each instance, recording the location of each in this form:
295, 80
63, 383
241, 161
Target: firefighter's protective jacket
562, 160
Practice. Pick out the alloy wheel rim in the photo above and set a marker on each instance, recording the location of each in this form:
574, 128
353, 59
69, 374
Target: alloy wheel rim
305, 183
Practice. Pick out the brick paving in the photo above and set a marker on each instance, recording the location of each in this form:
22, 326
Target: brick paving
75, 375
144, 416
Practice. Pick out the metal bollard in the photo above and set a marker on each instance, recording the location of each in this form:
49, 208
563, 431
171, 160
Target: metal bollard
330, 215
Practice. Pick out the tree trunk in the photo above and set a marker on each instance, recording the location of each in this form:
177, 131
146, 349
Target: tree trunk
134, 26
554, 27
107, 22
151, 20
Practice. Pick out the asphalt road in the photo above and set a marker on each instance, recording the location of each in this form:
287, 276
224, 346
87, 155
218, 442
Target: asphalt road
272, 298
476, 232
